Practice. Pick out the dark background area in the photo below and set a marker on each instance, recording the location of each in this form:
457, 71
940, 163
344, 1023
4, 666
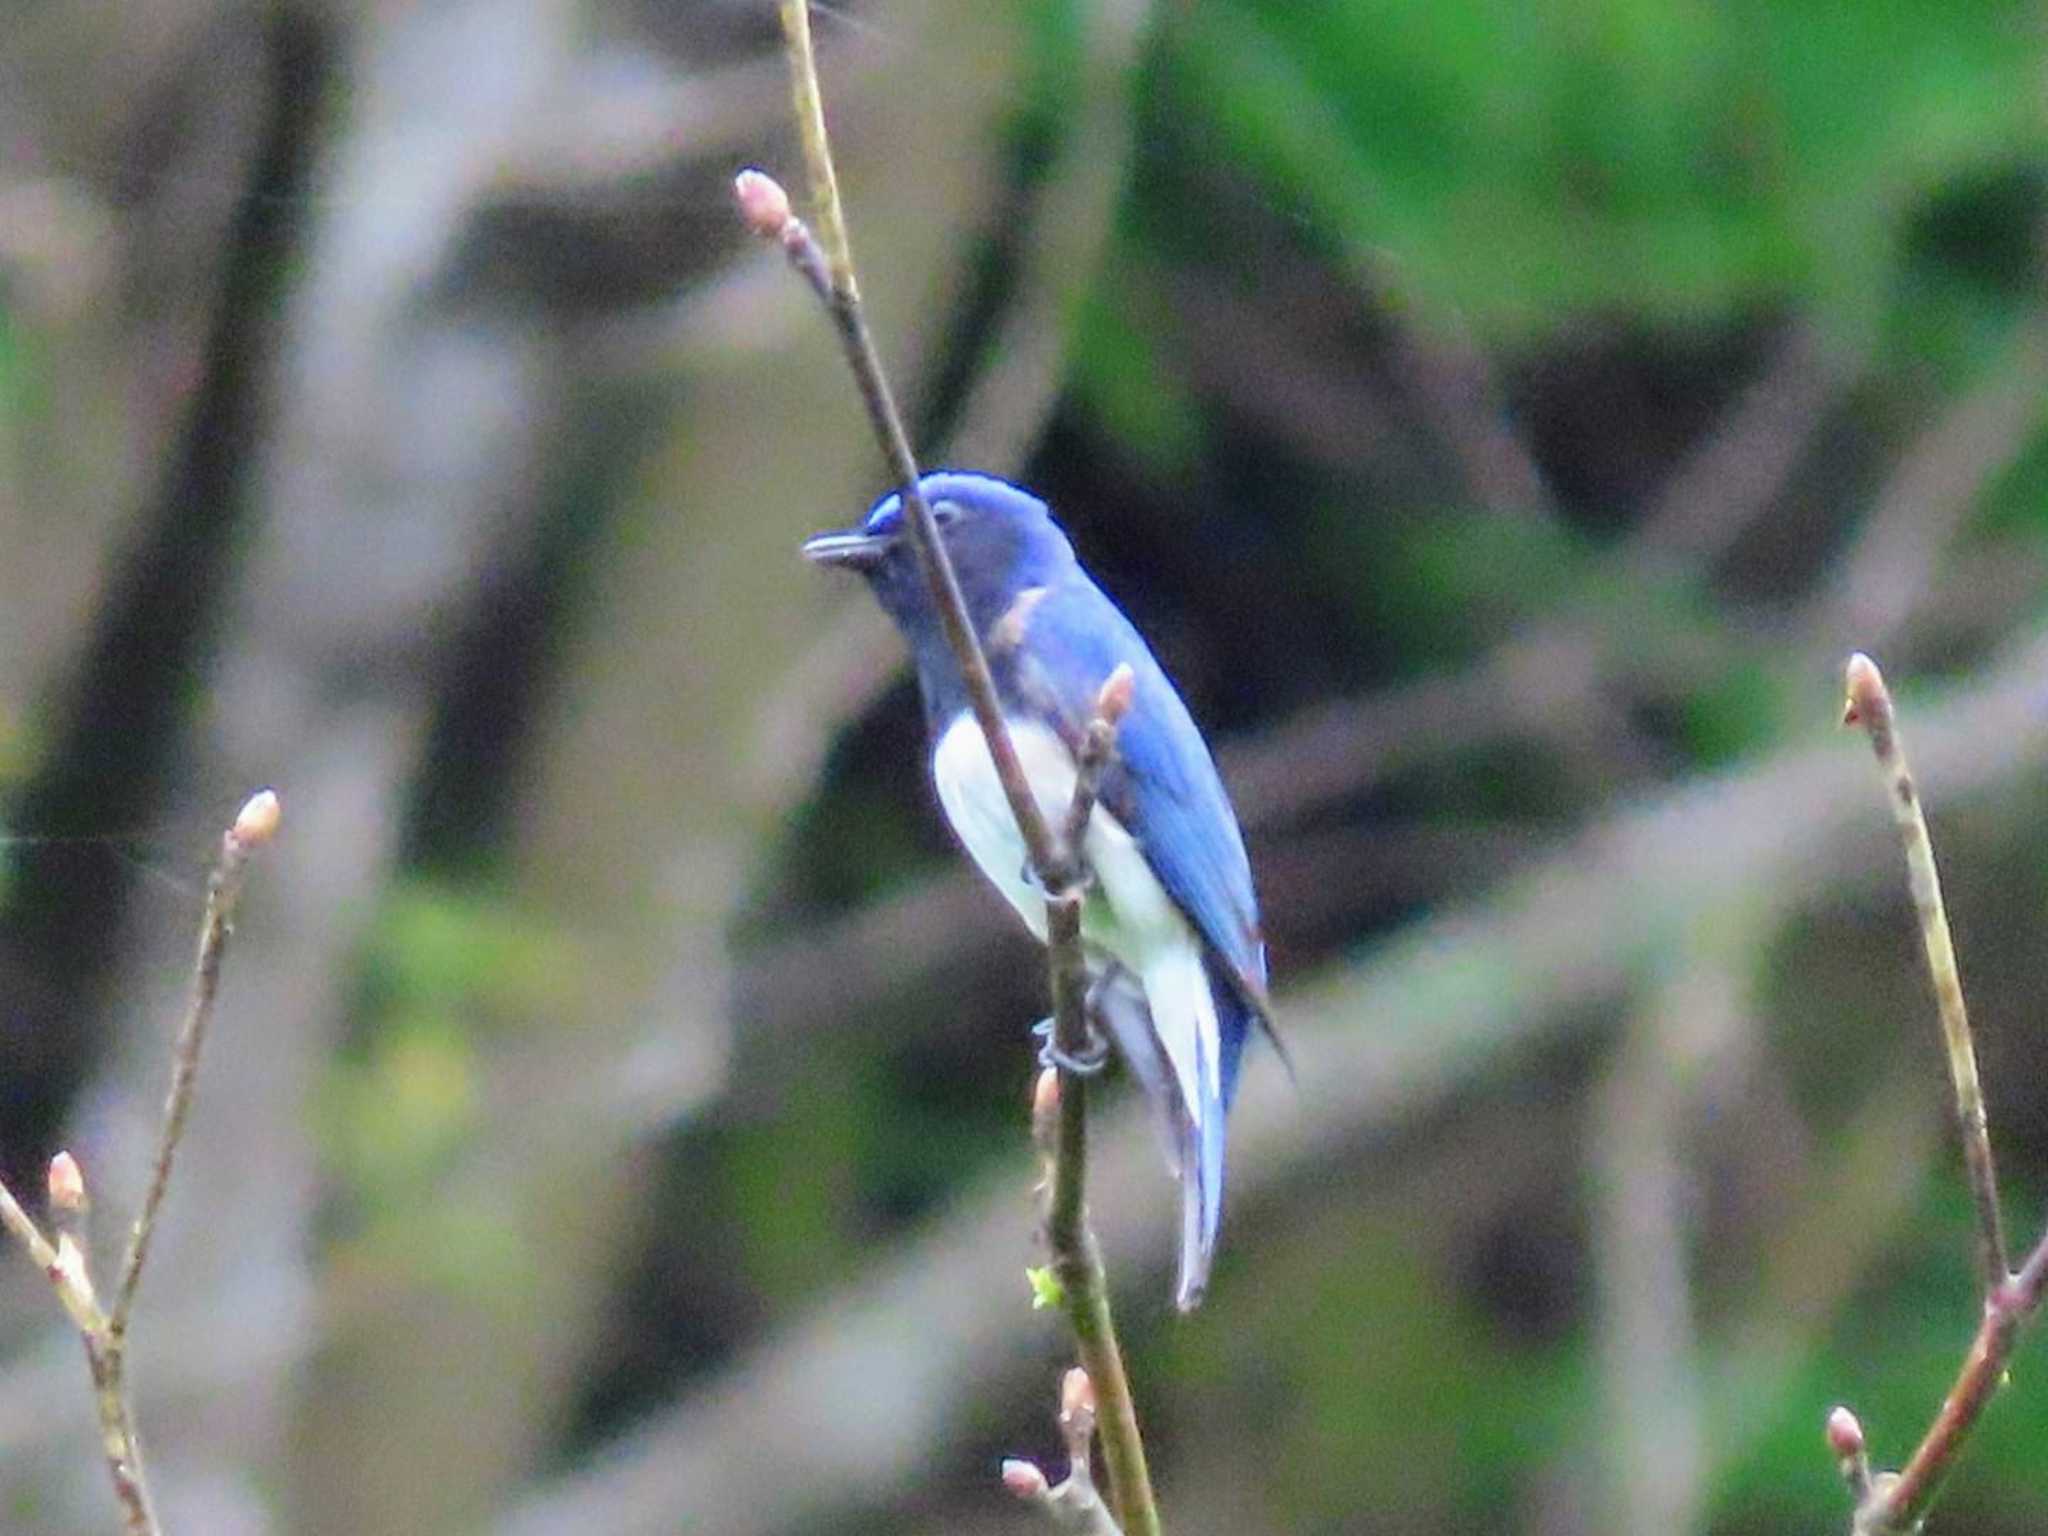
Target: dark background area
1503, 423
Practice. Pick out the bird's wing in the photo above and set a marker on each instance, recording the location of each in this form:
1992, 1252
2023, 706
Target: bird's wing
1162, 783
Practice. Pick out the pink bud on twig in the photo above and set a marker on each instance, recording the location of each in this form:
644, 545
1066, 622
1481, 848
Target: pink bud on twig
66, 1184
1024, 1479
762, 203
1867, 701
1113, 702
1077, 1396
256, 823
1845, 1434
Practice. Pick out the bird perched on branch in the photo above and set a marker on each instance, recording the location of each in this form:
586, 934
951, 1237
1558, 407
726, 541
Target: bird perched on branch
1171, 924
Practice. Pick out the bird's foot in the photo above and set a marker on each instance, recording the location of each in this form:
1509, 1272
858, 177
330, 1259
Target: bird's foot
1086, 1064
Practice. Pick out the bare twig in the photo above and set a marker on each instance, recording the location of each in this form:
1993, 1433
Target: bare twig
1886, 1503
1055, 860
65, 1263
254, 827
1111, 704
1076, 1256
828, 268
1901, 1502
1870, 706
1074, 1505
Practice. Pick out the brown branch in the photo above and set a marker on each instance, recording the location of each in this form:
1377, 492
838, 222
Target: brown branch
1112, 702
828, 268
1870, 706
1055, 860
254, 827
1076, 1256
1887, 1503
104, 1333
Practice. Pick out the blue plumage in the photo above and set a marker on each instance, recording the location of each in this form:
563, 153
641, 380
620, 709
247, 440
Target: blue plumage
1172, 928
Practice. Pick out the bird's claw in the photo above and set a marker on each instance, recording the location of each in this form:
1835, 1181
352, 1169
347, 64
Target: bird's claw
1086, 1064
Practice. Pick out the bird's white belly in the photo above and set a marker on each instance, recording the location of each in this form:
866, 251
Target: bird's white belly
1128, 915
1131, 917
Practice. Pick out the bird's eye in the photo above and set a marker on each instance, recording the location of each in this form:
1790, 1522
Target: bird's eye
943, 512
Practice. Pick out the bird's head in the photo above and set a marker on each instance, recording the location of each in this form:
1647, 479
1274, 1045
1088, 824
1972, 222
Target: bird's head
1000, 539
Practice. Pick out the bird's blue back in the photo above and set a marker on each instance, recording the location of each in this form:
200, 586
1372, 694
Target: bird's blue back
1161, 784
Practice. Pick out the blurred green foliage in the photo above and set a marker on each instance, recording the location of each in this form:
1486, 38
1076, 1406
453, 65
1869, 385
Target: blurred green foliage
1661, 159
401, 1110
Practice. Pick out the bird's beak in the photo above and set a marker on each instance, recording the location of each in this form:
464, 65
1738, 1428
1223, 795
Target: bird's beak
854, 548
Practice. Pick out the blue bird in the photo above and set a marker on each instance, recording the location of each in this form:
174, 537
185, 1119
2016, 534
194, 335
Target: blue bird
1171, 926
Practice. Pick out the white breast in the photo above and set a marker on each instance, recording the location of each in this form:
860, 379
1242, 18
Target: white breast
972, 796
1130, 917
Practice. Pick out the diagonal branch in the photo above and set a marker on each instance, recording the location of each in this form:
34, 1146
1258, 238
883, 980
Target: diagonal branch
104, 1332
1870, 706
255, 826
1887, 1503
1055, 859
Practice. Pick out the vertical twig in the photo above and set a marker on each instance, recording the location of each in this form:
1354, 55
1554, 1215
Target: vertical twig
1888, 1503
1076, 1257
104, 1332
1870, 706
1055, 860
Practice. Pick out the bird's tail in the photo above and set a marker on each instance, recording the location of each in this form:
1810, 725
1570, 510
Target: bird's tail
1202, 1148
1182, 1037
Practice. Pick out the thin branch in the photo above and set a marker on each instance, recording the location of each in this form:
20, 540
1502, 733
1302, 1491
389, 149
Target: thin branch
61, 1267
1073, 1505
1890, 1503
104, 1333
1900, 1503
1055, 861
828, 268
1112, 702
1076, 1256
254, 827
1870, 706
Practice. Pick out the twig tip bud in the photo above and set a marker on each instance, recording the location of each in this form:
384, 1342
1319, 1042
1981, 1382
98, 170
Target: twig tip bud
1867, 698
1845, 1433
256, 823
1024, 1479
1077, 1394
1113, 702
762, 202
66, 1184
